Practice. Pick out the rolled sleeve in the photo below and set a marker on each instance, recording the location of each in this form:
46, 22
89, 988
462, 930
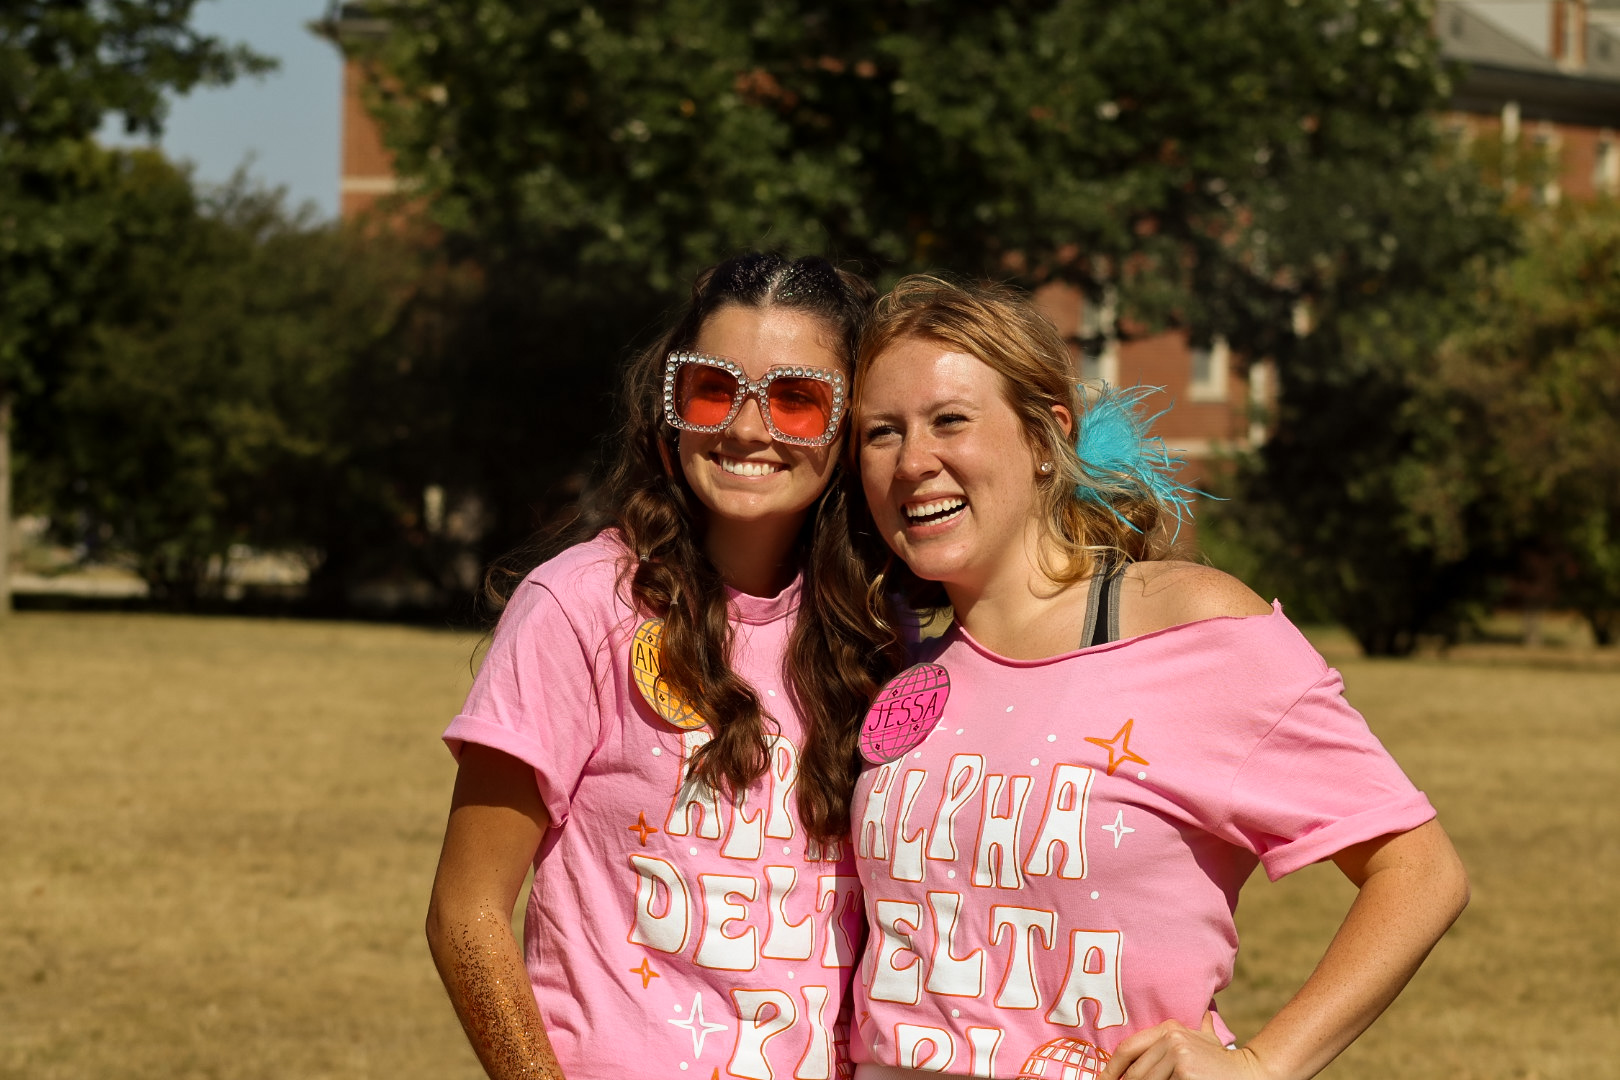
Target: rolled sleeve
1319, 782
535, 696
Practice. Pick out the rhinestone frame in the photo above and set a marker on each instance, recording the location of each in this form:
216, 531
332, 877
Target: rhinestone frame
756, 388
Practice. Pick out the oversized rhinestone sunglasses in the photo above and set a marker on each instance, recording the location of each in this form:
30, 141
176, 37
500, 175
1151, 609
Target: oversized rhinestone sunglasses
801, 405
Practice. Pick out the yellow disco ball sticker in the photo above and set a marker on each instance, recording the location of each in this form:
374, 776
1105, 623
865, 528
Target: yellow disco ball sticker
646, 651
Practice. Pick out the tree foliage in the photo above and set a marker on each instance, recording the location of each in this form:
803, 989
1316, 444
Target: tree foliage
243, 383
1349, 506
1179, 143
1532, 395
1212, 165
64, 66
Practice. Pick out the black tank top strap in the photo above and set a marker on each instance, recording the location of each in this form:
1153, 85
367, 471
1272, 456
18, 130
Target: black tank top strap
1102, 604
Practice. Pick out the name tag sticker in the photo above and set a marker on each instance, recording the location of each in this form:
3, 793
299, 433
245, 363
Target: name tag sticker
905, 712
646, 655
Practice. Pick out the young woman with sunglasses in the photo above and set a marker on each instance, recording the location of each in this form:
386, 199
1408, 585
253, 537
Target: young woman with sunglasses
1064, 800
664, 726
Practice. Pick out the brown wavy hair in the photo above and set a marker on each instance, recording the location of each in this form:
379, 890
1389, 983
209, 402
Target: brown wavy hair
1004, 329
837, 658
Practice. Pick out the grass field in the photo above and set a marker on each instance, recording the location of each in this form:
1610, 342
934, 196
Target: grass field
218, 836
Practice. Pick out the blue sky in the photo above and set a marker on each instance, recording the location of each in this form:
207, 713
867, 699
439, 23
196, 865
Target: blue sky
287, 122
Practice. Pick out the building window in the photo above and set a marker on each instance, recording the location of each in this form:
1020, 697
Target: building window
1209, 370
1099, 360
1262, 399
1099, 339
1606, 167
1568, 32
1545, 161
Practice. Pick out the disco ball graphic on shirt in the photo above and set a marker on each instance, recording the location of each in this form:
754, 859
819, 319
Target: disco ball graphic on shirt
904, 712
1064, 1059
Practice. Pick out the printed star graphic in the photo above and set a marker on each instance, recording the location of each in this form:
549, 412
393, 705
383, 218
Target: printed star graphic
648, 974
641, 828
700, 1028
1119, 828
1117, 754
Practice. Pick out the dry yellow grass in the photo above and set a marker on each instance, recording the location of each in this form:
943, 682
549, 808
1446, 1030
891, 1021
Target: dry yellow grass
218, 836
1521, 755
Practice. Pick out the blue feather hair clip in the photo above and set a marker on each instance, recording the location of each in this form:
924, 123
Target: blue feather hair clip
1120, 457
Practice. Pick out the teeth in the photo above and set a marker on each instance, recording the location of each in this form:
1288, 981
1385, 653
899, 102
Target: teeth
937, 508
748, 468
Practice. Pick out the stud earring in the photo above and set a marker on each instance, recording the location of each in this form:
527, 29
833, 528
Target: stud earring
1044, 468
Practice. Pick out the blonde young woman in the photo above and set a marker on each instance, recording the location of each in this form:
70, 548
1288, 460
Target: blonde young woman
664, 726
1062, 803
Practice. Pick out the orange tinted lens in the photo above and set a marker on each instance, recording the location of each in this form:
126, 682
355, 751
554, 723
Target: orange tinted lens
801, 408
703, 394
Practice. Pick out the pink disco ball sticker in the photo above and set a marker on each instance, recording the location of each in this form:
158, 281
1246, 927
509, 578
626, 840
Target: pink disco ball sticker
906, 710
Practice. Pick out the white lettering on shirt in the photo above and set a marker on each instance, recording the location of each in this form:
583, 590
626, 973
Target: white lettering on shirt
665, 932
908, 850
1093, 976
785, 939
693, 795
715, 948
871, 842
1064, 823
926, 1049
947, 973
995, 861
982, 1043
761, 1016
837, 895
1018, 984
818, 1061
897, 974
784, 772
746, 837
962, 777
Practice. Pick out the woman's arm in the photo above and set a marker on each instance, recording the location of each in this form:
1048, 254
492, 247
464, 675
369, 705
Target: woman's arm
1411, 888
496, 823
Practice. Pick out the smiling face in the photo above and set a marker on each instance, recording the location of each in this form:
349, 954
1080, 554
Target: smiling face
758, 490
947, 468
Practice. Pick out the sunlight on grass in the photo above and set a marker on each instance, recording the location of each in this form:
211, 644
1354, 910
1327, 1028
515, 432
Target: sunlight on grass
220, 834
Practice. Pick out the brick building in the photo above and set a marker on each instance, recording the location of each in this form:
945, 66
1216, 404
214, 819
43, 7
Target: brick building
1542, 78
1543, 81
366, 169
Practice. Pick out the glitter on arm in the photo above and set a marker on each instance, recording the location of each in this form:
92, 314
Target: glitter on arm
484, 975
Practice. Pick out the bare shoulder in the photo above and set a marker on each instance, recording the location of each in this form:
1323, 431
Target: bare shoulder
1157, 595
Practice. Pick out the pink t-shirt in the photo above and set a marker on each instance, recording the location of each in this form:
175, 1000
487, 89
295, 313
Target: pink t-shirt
1055, 867
666, 924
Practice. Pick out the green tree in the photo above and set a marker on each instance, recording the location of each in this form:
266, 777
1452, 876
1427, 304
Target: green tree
1532, 392
64, 66
1361, 503
1171, 143
1211, 164
241, 385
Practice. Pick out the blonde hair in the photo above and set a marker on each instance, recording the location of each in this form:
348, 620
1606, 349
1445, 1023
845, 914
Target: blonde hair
1003, 329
